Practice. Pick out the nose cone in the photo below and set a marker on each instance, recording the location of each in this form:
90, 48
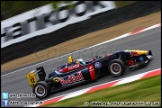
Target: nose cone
70, 59
141, 52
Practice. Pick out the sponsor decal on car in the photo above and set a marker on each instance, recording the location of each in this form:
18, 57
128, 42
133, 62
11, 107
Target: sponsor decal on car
97, 65
72, 79
56, 79
92, 72
73, 67
91, 68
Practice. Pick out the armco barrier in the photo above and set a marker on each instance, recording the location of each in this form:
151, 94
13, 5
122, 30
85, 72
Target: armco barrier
97, 22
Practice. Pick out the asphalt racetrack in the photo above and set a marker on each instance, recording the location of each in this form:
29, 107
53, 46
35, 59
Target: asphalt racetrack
16, 82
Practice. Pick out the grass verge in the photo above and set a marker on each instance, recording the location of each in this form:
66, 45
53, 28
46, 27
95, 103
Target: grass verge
145, 92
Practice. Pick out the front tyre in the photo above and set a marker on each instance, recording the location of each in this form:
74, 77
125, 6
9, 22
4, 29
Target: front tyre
41, 89
116, 67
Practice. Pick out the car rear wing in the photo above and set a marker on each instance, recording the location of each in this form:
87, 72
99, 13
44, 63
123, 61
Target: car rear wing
35, 76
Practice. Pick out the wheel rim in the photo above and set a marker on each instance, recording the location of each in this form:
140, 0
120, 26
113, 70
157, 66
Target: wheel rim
40, 90
115, 68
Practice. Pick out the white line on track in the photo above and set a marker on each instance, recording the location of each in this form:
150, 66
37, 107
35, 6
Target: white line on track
114, 39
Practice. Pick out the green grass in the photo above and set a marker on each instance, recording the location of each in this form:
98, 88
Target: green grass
145, 90
123, 3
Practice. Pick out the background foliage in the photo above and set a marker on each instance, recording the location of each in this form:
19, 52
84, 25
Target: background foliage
12, 8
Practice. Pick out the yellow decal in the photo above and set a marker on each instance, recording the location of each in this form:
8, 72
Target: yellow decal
56, 79
140, 52
70, 59
31, 79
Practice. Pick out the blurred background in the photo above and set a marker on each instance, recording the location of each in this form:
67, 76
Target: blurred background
12, 8
19, 56
125, 18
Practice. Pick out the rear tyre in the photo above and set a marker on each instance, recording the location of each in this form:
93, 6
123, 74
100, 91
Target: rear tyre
116, 67
41, 89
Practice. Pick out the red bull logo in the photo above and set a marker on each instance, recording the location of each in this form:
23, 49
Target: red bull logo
73, 67
72, 79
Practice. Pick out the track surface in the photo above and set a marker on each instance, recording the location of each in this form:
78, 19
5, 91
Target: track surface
149, 40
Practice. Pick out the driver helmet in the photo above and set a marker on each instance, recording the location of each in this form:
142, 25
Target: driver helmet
81, 61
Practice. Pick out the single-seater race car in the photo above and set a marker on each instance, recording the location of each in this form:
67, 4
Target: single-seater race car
80, 71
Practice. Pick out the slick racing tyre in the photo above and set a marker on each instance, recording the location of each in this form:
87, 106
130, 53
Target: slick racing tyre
41, 89
116, 67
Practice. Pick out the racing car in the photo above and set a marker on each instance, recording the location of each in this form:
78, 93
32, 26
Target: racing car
78, 71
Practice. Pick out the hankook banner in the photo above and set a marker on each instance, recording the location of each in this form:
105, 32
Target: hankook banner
45, 19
